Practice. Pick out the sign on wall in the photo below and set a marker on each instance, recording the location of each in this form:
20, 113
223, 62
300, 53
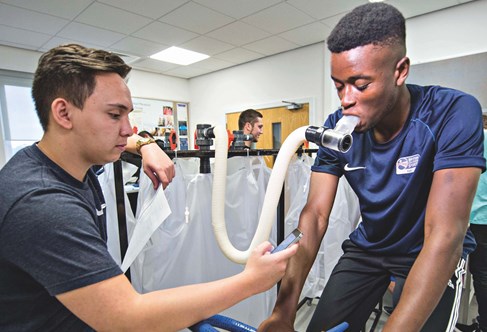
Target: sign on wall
161, 118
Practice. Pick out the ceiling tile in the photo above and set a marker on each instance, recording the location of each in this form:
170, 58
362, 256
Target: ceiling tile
18, 37
60, 8
128, 59
187, 72
154, 65
237, 8
289, 18
111, 18
150, 8
271, 45
196, 18
89, 34
206, 45
137, 29
238, 33
165, 34
138, 46
239, 55
321, 9
417, 7
308, 34
331, 22
56, 41
212, 64
17, 45
30, 20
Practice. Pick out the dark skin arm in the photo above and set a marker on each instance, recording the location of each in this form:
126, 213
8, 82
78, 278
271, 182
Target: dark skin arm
446, 222
313, 222
447, 215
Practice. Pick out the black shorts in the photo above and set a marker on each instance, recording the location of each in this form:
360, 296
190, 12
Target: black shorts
359, 281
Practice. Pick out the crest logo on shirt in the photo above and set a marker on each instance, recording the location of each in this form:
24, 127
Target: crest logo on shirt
407, 165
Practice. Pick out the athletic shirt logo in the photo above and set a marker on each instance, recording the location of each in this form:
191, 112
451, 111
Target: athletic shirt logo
406, 165
100, 212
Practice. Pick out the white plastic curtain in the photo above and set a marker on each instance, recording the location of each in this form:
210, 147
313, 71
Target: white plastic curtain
183, 250
107, 184
344, 218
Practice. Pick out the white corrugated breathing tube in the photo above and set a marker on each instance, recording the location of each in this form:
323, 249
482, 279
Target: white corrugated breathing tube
274, 187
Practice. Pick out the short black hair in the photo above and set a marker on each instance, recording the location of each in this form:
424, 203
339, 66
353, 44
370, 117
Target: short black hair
249, 115
373, 23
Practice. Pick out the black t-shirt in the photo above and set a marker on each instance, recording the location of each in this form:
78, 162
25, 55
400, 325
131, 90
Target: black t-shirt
52, 240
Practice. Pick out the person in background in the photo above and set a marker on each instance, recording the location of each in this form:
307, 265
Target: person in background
250, 122
414, 164
56, 273
478, 258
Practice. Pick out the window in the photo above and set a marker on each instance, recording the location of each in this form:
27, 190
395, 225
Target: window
19, 124
276, 135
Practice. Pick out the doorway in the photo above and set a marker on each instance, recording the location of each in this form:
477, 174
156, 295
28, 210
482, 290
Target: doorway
278, 122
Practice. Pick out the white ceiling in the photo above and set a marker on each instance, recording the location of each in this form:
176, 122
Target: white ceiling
230, 31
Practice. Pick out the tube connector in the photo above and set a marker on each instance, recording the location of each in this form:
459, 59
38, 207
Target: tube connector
338, 139
239, 139
204, 135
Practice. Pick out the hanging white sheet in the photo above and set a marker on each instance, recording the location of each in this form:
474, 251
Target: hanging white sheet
247, 179
344, 217
107, 183
183, 250
152, 210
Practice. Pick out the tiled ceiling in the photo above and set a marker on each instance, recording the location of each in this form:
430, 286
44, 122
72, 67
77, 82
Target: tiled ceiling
230, 31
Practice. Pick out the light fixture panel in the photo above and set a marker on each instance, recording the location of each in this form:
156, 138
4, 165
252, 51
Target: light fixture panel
179, 56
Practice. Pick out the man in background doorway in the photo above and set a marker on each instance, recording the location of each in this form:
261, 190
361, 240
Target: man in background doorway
250, 121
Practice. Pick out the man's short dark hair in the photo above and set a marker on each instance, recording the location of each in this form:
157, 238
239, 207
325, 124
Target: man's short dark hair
249, 115
68, 71
373, 23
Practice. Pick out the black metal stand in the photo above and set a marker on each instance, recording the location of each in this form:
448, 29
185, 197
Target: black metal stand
121, 216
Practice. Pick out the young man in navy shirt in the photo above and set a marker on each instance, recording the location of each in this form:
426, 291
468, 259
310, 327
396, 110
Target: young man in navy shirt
416, 158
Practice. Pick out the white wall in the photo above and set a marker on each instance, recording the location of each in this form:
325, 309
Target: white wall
292, 76
449, 33
149, 85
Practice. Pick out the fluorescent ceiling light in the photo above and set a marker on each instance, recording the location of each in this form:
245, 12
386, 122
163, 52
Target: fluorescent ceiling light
376, 0
179, 56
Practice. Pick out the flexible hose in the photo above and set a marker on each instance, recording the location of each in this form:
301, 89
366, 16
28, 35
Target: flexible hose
271, 198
